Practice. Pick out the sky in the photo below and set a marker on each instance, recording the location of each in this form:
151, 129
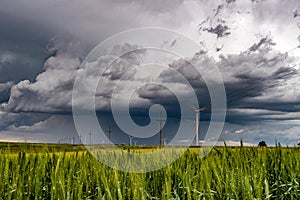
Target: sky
254, 44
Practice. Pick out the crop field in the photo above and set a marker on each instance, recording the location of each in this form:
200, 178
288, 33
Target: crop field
52, 172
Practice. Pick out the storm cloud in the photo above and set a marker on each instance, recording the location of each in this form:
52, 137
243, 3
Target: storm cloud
253, 43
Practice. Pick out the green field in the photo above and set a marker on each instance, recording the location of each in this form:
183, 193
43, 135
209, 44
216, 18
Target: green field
39, 171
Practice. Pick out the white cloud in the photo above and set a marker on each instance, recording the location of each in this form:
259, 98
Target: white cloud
52, 90
239, 131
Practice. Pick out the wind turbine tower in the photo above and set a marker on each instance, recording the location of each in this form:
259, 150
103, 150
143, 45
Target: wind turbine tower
197, 110
130, 140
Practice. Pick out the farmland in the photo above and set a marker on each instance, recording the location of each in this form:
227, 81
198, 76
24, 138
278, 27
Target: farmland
69, 172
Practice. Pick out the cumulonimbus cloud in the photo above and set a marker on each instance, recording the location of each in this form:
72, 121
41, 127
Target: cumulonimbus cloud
251, 78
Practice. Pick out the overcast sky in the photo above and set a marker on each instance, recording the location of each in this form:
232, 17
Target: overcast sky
253, 43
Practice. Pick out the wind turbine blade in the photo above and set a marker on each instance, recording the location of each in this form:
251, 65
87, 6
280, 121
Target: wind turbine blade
194, 108
204, 107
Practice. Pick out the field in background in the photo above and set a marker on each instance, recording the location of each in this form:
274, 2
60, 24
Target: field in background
59, 171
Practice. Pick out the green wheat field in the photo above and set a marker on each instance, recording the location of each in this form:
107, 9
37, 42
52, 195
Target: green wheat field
36, 171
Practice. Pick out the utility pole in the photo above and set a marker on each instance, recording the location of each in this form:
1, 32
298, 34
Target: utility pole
80, 140
109, 131
161, 120
90, 135
197, 128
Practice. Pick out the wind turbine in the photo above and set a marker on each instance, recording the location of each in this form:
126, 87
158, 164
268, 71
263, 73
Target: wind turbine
198, 110
130, 140
25, 139
90, 135
164, 141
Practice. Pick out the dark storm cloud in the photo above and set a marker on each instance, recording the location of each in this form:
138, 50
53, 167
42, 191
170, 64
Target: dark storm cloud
256, 78
42, 44
92, 21
248, 75
20, 119
266, 41
296, 13
51, 92
5, 91
51, 88
220, 30
43, 73
36, 127
250, 79
159, 94
28, 27
191, 74
22, 48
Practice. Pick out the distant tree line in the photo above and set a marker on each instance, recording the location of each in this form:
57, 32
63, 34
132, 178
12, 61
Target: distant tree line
262, 144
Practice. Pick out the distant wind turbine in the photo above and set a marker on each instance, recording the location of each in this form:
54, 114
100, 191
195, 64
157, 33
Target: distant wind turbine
164, 141
198, 110
130, 140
